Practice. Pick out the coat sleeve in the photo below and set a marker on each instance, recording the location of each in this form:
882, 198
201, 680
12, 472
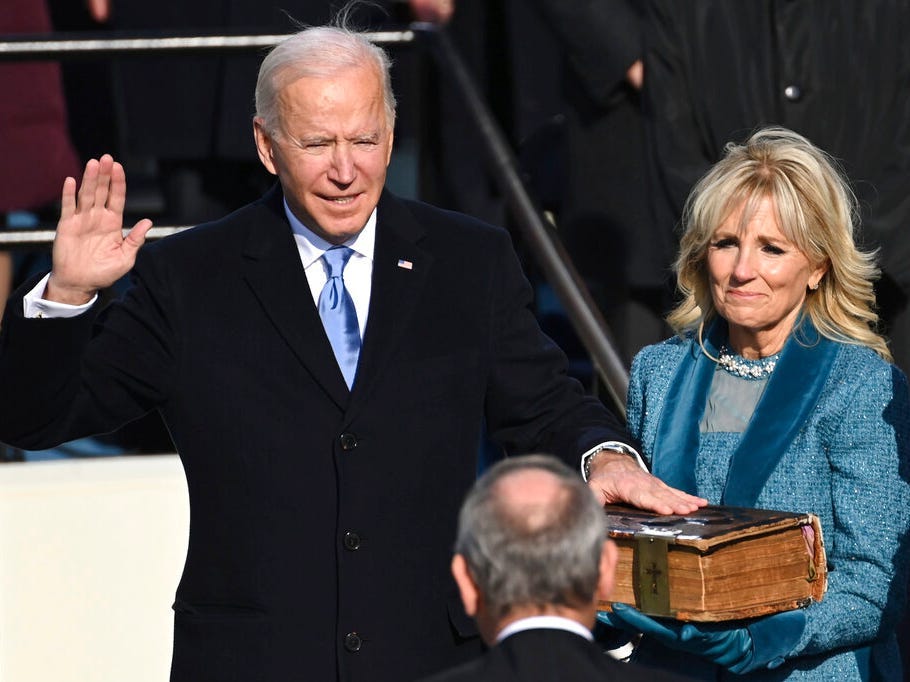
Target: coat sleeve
867, 449
531, 404
601, 40
635, 399
68, 378
679, 152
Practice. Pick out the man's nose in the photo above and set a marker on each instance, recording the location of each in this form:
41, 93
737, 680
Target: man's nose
342, 169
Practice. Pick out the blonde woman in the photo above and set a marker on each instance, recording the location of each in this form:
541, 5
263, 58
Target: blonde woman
778, 393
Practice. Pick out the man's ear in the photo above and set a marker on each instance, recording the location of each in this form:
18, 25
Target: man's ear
264, 145
467, 588
609, 556
388, 156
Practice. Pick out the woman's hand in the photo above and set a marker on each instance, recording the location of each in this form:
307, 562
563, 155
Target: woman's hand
761, 643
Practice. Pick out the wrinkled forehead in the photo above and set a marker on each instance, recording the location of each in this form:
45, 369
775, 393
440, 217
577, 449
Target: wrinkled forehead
347, 94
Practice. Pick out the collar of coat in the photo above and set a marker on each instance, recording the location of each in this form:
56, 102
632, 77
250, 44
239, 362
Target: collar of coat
792, 393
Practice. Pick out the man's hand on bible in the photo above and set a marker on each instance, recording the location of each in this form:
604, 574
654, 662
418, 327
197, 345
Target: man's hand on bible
616, 478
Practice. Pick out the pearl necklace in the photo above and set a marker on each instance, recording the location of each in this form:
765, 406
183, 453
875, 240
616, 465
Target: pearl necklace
748, 369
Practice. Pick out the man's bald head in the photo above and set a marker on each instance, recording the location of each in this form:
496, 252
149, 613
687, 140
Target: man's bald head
532, 534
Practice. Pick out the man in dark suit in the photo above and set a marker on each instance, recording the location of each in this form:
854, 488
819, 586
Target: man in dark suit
532, 559
328, 422
604, 206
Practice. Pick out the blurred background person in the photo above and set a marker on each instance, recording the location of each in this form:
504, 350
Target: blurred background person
780, 394
563, 80
602, 210
35, 146
37, 151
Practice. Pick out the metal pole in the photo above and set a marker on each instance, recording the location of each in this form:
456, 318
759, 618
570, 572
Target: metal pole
44, 238
53, 47
557, 266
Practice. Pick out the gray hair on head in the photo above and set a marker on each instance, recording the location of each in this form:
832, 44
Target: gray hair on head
536, 553
320, 52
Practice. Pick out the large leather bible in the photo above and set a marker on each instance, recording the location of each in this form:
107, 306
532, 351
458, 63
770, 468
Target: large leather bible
718, 563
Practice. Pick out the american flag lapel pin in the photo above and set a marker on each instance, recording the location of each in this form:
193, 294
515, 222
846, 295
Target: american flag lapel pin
406, 264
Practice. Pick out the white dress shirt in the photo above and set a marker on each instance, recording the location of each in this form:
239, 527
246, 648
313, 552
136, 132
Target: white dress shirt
549, 622
358, 273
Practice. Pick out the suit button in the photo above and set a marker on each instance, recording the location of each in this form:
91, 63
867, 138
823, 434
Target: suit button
351, 541
348, 441
793, 93
352, 642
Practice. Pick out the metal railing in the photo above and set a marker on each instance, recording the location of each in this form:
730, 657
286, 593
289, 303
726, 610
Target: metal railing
552, 258
31, 48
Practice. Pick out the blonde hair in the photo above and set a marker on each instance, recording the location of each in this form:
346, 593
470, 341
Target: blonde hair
816, 210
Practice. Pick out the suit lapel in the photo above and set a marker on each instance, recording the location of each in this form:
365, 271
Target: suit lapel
793, 390
400, 269
273, 270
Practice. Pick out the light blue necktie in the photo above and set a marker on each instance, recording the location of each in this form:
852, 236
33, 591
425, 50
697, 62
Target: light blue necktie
336, 308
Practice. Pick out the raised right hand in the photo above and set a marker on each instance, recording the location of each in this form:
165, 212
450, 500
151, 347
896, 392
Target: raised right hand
90, 251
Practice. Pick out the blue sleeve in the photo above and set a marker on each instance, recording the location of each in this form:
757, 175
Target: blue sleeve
867, 547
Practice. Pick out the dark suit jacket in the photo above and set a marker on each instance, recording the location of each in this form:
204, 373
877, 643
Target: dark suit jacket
605, 207
321, 520
593, 158
545, 655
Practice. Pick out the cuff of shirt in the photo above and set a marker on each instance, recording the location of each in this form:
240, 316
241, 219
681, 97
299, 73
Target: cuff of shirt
614, 446
33, 306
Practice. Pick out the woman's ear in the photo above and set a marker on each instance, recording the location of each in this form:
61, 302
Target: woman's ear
816, 275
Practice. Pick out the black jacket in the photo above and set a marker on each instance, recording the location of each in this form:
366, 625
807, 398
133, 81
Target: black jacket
549, 655
836, 71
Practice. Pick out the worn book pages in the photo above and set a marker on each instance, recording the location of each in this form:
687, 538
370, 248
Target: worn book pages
716, 564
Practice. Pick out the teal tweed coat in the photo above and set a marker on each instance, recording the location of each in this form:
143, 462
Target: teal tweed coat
846, 458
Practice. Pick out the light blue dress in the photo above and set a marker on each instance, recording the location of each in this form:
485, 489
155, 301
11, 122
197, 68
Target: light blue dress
831, 436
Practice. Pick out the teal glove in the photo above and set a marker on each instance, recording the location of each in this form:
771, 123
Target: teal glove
733, 648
